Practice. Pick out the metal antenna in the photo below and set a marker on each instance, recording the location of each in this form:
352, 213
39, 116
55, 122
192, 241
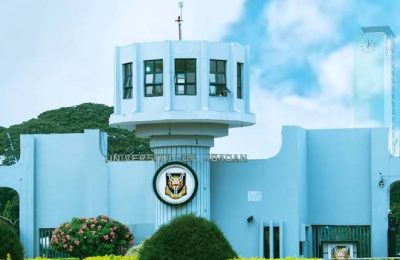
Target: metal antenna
180, 20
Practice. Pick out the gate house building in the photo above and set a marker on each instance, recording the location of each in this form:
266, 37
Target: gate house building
325, 193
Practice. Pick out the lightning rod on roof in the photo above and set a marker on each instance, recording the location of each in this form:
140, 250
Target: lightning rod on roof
180, 20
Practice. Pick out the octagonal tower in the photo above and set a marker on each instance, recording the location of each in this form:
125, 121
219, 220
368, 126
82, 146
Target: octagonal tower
181, 95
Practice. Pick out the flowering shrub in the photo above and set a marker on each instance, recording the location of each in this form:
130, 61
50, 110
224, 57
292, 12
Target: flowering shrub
92, 237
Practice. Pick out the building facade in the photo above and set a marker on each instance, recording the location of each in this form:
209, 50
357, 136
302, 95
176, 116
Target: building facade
325, 194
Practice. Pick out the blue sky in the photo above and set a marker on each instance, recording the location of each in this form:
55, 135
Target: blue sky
60, 53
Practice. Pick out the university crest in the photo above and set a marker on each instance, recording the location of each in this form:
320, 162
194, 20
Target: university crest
175, 186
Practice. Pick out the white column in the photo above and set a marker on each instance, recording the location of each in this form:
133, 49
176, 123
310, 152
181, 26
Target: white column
200, 204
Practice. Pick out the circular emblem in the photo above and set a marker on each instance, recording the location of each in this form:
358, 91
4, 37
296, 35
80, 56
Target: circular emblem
175, 183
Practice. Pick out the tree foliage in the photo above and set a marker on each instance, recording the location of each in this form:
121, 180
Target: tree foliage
9, 242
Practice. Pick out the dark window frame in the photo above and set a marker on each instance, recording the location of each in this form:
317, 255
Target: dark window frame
267, 243
127, 80
157, 87
239, 80
185, 71
217, 78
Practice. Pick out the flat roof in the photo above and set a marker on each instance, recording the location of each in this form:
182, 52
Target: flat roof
384, 29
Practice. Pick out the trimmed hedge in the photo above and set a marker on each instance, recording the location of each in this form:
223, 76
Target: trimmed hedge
9, 242
287, 258
185, 238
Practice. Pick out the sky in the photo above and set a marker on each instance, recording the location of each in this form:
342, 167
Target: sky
57, 53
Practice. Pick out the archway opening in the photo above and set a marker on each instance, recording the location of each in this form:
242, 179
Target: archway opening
394, 221
9, 207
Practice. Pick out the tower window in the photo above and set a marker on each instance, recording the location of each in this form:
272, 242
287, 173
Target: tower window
218, 78
153, 78
127, 79
185, 76
239, 80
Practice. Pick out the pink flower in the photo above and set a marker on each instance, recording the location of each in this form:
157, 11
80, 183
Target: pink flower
112, 234
98, 227
105, 237
67, 237
84, 226
92, 226
65, 246
76, 242
80, 231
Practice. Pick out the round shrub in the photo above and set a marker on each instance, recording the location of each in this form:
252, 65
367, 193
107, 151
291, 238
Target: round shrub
187, 237
9, 242
82, 237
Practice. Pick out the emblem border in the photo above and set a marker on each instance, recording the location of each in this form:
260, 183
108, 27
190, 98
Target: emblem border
196, 182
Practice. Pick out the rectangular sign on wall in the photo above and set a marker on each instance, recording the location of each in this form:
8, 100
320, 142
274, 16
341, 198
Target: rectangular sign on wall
255, 196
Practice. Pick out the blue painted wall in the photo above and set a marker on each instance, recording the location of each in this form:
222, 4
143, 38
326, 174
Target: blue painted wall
319, 177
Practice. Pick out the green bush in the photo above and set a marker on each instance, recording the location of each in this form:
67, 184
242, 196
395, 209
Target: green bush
135, 250
92, 237
187, 237
9, 242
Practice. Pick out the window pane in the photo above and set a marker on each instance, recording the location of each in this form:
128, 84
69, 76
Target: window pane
127, 93
127, 81
180, 90
213, 66
191, 90
158, 66
149, 90
149, 66
159, 90
191, 77
221, 66
191, 65
180, 78
179, 65
212, 78
220, 78
149, 78
159, 78
212, 90
239, 69
127, 69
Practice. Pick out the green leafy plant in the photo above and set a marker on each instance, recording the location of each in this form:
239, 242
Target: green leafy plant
82, 237
9, 242
187, 237
135, 250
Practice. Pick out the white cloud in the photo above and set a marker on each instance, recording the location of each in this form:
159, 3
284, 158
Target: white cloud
60, 53
301, 24
335, 73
